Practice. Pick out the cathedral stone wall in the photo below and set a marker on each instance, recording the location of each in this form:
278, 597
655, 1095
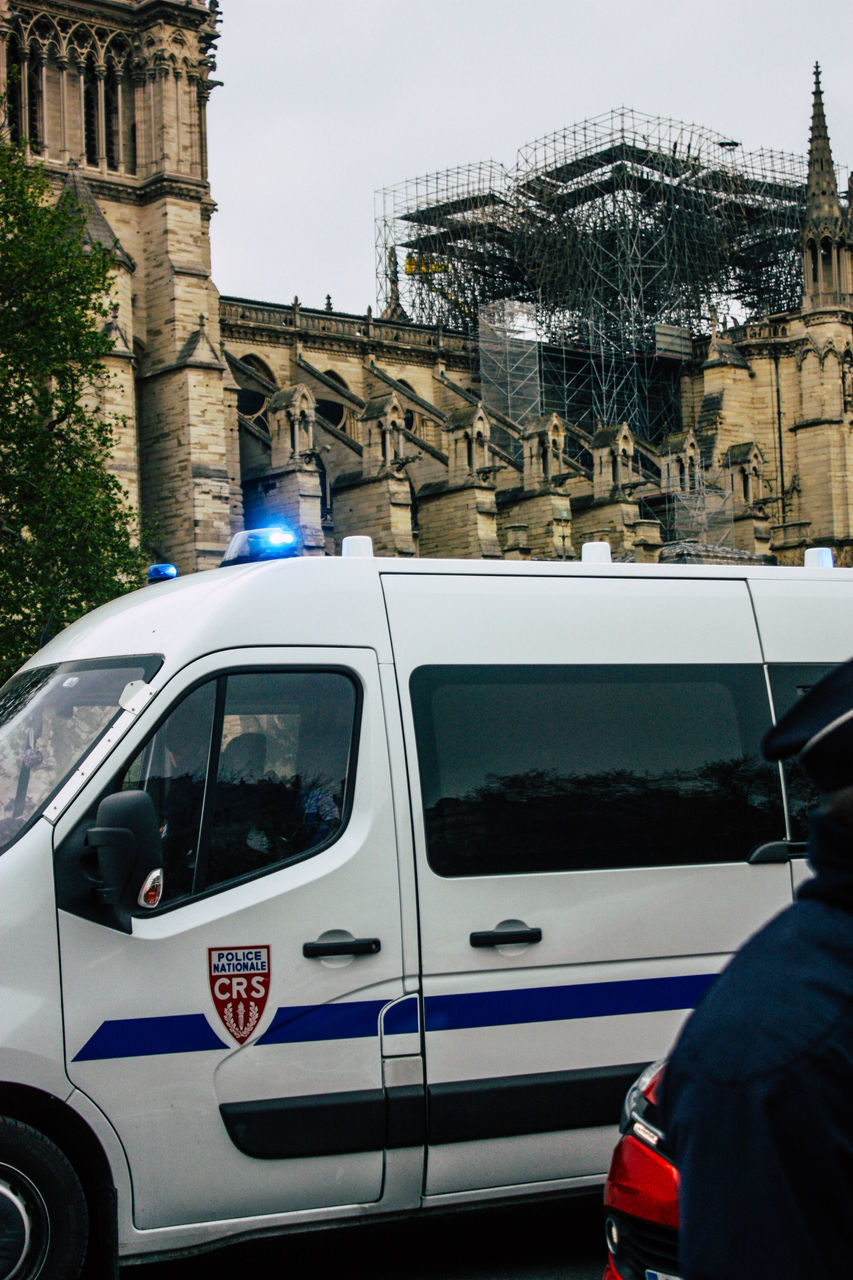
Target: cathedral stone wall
388, 437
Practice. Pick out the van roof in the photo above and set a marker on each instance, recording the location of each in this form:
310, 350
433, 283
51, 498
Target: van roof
320, 600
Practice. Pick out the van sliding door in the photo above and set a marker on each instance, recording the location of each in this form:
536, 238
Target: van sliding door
588, 791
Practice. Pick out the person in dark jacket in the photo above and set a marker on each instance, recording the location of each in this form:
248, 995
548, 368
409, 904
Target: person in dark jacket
758, 1095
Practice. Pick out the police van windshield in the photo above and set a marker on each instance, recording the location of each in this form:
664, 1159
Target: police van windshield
50, 718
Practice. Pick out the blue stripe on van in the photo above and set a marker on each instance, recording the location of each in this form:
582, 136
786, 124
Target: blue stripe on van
143, 1037
294, 1024
557, 1004
359, 1019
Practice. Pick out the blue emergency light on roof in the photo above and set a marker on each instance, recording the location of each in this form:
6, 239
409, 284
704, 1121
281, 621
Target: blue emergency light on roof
275, 543
161, 573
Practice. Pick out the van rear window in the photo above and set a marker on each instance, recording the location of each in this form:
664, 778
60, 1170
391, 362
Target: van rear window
546, 768
788, 682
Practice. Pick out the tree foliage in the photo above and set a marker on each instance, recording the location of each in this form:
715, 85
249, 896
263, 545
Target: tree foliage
66, 530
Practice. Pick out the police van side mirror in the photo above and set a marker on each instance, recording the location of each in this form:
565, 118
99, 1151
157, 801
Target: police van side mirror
125, 866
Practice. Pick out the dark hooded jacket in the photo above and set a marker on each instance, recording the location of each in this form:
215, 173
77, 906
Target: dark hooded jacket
758, 1095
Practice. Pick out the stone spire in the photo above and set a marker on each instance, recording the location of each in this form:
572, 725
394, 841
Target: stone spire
394, 310
827, 264
823, 208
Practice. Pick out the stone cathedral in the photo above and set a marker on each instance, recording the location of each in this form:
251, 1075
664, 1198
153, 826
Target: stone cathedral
239, 413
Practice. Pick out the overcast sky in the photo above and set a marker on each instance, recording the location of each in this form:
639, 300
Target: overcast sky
324, 101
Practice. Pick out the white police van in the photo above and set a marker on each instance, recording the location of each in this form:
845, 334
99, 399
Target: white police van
338, 887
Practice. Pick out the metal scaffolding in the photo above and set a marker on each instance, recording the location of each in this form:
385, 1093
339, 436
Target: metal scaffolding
623, 231
507, 340
703, 514
449, 236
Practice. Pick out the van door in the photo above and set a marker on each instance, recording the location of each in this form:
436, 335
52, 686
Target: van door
232, 1037
588, 792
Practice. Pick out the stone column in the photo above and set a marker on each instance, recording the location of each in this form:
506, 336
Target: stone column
164, 72
62, 63
119, 75
151, 131
4, 35
138, 80
81, 75
203, 95
179, 118
43, 138
101, 76
193, 123
25, 96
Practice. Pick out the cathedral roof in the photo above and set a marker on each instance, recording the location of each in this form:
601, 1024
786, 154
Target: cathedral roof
823, 208
687, 552
377, 407
287, 397
198, 350
464, 415
96, 229
741, 454
606, 436
723, 351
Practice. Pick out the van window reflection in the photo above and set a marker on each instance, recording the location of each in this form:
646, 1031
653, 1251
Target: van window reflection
543, 768
250, 771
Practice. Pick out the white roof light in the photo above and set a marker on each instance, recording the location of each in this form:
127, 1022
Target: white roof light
596, 553
357, 546
819, 558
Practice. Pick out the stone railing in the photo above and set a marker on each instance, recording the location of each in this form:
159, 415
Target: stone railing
759, 330
239, 311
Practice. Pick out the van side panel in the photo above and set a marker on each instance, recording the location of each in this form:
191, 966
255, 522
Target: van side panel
30, 1005
805, 620
465, 618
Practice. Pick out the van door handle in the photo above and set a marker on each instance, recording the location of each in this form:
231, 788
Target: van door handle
503, 937
342, 947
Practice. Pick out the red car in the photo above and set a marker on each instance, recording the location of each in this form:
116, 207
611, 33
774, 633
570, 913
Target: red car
641, 1193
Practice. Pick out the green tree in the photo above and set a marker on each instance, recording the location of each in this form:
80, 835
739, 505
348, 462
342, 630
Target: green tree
67, 535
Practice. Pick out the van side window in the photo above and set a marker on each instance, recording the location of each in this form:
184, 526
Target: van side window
788, 682
544, 768
248, 772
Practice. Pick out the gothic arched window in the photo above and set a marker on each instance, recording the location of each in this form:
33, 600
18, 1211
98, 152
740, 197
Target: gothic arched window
252, 395
90, 115
25, 104
14, 99
35, 102
112, 117
333, 410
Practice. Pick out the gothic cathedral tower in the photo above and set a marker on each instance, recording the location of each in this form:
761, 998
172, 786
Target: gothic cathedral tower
110, 96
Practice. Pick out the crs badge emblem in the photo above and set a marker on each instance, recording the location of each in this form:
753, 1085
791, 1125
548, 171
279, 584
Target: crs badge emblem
239, 984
